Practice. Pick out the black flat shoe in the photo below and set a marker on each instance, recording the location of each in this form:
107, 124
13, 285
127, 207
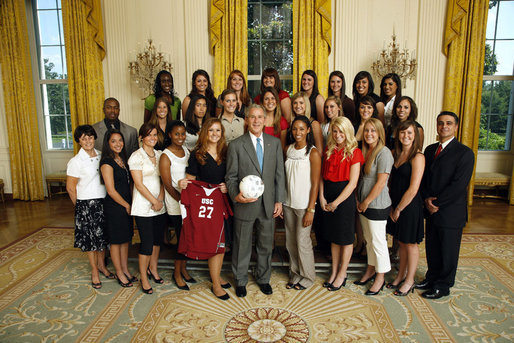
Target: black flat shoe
360, 283
222, 297
109, 276
265, 288
131, 279
402, 294
241, 291
190, 280
327, 284
184, 288
226, 285
334, 288
369, 292
151, 276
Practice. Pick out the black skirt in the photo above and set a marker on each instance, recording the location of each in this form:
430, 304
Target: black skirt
339, 226
90, 225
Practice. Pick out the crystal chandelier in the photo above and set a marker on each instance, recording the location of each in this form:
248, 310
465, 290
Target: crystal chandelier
395, 60
146, 67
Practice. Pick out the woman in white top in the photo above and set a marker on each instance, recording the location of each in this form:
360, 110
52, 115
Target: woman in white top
172, 166
196, 114
148, 204
87, 194
390, 90
303, 165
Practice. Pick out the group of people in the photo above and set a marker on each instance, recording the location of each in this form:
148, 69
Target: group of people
351, 169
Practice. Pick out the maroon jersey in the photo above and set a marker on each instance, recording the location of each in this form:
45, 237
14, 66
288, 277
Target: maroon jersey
204, 209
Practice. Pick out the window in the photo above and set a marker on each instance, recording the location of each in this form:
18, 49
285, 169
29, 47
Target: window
270, 42
52, 80
498, 86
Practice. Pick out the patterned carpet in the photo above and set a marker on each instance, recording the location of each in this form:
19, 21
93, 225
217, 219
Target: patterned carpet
46, 296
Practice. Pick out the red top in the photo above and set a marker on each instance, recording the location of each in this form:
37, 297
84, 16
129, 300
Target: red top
281, 95
270, 130
336, 170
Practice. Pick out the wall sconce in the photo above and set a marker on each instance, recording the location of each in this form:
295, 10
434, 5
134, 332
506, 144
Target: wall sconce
395, 60
146, 67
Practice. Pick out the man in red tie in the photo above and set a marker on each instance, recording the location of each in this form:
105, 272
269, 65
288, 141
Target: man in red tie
448, 169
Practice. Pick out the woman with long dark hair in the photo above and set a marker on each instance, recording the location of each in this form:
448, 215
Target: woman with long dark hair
309, 85
163, 87
274, 124
363, 85
117, 203
270, 78
201, 85
390, 91
160, 117
196, 114
337, 87
405, 110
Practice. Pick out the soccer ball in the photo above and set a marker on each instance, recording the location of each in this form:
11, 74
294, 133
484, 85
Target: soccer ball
251, 186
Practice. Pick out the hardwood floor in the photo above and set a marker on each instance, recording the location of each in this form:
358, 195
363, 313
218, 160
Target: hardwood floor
19, 218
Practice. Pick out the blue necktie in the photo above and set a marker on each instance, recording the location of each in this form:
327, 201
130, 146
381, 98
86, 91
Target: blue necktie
260, 155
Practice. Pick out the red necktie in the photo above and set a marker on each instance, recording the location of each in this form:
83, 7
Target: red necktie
438, 150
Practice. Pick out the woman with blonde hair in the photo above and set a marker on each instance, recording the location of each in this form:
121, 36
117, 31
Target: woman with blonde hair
302, 107
374, 203
340, 174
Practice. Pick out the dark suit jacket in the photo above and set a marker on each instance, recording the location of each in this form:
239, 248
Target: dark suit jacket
129, 135
446, 178
242, 161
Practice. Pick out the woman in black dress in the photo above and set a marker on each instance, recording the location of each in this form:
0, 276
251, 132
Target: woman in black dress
406, 218
363, 85
208, 163
119, 223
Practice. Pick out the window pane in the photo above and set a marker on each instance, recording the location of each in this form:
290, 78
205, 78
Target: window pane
45, 4
490, 59
491, 20
486, 97
254, 87
61, 29
53, 98
273, 24
504, 51
51, 65
69, 132
501, 100
278, 55
58, 132
48, 28
254, 63
66, 99
505, 14
254, 21
287, 85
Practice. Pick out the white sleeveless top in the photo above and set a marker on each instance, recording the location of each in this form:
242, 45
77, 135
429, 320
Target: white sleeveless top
298, 177
178, 172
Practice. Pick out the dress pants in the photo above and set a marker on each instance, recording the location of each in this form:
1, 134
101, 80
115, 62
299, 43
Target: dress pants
374, 232
442, 246
299, 246
242, 248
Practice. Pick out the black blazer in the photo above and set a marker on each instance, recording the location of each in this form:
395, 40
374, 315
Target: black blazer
446, 178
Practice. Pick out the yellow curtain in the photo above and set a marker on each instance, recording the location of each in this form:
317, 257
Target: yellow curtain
84, 39
312, 35
464, 45
20, 106
228, 33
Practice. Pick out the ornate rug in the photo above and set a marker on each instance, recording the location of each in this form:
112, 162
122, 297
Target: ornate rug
46, 296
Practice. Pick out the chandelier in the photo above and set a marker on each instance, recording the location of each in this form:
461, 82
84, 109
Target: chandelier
146, 67
395, 60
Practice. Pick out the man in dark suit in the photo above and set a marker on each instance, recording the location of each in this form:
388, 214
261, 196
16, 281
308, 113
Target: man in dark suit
448, 169
111, 110
255, 153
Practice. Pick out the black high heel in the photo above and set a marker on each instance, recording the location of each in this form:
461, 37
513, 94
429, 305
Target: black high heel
123, 284
390, 285
146, 291
334, 288
151, 276
327, 284
184, 288
360, 283
369, 292
402, 294
131, 279
190, 280
221, 297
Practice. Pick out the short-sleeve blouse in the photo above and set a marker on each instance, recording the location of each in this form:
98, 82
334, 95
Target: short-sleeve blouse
270, 130
210, 172
337, 169
382, 165
87, 170
139, 160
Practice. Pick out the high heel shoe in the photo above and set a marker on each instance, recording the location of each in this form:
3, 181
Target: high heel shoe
109, 276
225, 285
370, 292
131, 279
151, 276
327, 284
221, 297
190, 280
96, 285
402, 294
334, 288
146, 291
184, 288
360, 283
124, 284
390, 285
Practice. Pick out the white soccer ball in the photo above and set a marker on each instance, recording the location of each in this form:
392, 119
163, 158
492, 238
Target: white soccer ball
251, 186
